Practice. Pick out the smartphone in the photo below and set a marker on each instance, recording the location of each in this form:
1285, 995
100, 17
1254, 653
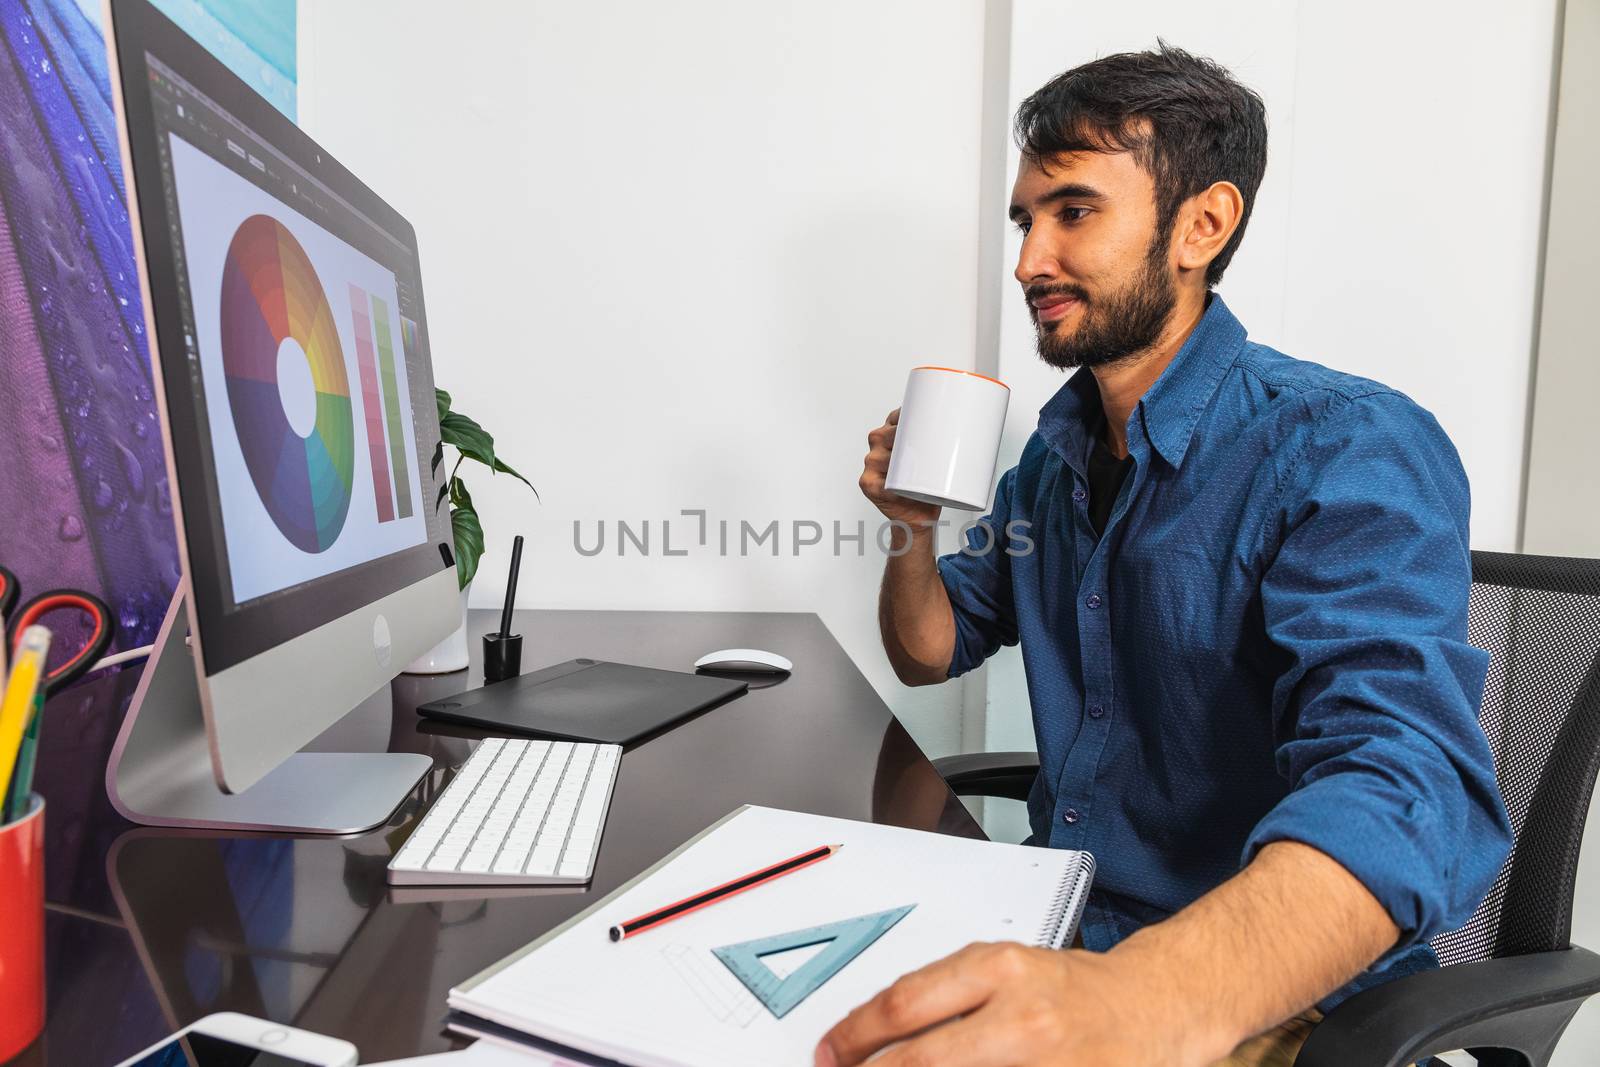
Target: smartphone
228, 1039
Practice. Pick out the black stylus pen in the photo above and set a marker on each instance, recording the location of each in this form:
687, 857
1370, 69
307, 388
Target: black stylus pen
511, 587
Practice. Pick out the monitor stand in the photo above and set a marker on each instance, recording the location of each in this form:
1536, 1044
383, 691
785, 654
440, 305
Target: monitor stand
160, 770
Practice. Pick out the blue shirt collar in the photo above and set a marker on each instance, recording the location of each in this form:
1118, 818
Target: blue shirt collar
1169, 409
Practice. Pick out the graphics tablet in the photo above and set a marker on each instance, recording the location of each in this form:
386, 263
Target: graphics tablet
585, 700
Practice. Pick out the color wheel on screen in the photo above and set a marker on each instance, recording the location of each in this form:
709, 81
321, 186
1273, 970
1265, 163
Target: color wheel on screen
287, 386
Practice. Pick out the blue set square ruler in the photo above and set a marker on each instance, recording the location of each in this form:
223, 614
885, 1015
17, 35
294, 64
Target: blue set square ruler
846, 939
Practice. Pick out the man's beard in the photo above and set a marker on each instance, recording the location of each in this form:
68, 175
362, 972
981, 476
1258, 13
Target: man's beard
1113, 327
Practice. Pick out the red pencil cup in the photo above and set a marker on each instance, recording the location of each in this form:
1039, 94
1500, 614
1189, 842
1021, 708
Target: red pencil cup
22, 930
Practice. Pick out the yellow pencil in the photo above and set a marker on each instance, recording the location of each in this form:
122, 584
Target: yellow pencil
17, 708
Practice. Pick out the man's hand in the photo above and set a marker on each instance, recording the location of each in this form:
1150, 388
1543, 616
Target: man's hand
914, 614
1004, 1005
1268, 943
880, 443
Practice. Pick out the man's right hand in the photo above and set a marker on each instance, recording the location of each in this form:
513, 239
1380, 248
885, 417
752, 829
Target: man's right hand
875, 471
914, 614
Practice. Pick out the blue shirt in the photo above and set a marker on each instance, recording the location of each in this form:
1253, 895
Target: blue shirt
1268, 642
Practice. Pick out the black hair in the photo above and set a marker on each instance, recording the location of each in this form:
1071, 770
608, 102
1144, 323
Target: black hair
1186, 119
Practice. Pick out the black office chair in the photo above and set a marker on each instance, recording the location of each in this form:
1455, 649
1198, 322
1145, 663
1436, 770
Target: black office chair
1511, 979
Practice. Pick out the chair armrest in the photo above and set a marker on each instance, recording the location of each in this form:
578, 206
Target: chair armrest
1517, 1002
990, 774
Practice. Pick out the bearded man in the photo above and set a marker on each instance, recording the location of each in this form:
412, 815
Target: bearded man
1242, 608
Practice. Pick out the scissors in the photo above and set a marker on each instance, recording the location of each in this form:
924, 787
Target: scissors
102, 630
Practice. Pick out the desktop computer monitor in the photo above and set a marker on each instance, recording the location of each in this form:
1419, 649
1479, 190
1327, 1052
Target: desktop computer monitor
283, 303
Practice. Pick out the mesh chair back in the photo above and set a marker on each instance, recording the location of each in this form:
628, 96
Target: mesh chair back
1538, 617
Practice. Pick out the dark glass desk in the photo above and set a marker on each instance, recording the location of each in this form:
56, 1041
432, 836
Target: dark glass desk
147, 930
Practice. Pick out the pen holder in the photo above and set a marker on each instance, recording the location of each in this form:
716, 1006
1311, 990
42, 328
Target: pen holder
502, 657
22, 930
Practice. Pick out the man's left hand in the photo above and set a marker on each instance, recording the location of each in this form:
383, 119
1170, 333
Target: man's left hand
1006, 1004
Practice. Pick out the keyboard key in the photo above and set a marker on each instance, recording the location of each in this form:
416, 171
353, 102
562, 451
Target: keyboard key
510, 863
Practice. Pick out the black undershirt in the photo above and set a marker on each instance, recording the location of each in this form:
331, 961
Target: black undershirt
1106, 475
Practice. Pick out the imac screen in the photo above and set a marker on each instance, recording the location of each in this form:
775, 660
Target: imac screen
299, 349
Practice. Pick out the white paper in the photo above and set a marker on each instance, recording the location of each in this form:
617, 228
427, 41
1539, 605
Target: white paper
661, 999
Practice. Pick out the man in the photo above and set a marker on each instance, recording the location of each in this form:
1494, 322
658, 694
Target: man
1242, 614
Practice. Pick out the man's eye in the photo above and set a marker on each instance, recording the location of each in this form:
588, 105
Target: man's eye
1074, 214
1023, 226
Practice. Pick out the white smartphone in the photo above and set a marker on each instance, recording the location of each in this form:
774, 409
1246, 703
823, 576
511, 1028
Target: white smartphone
228, 1039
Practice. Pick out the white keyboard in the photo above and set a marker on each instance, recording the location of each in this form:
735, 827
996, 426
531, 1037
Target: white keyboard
519, 812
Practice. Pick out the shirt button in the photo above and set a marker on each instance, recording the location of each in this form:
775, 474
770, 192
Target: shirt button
1094, 600
1096, 711
1070, 816
1079, 494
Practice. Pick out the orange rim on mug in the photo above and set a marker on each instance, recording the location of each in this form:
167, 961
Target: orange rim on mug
975, 374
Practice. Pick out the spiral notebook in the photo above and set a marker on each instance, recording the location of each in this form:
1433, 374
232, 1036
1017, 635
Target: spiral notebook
663, 999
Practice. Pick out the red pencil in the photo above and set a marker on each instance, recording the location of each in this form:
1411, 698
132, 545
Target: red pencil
655, 918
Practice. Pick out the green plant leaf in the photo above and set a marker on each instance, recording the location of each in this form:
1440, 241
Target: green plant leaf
468, 535
500, 465
459, 497
442, 399
467, 437
472, 442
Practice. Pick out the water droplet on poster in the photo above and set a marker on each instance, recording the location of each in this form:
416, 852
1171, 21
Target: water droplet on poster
133, 470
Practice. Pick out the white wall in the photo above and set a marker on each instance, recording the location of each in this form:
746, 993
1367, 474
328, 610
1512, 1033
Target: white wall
676, 256
1563, 515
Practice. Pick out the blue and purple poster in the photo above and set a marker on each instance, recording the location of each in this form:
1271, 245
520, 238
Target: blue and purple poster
84, 499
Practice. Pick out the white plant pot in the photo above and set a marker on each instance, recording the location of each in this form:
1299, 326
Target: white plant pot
448, 655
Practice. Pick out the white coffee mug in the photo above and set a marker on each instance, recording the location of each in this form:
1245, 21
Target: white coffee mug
948, 437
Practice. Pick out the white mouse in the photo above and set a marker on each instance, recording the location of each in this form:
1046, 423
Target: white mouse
744, 659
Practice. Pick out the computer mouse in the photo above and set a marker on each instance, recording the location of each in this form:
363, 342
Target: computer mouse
744, 659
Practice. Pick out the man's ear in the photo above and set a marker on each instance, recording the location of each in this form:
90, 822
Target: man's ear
1205, 223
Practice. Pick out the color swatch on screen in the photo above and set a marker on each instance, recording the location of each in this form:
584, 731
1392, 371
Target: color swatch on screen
371, 404
271, 295
391, 407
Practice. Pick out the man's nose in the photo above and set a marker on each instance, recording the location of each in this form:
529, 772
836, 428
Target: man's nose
1035, 263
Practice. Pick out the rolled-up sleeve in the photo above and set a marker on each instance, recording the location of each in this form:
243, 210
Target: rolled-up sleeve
977, 579
1376, 713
